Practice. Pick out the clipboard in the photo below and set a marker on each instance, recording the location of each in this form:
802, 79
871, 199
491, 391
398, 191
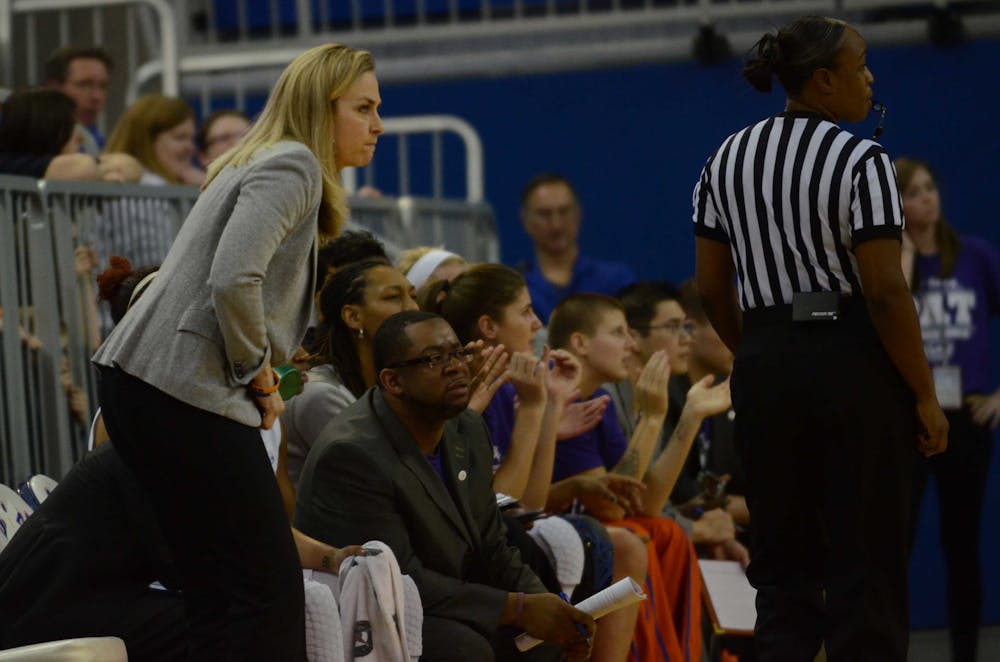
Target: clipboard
728, 597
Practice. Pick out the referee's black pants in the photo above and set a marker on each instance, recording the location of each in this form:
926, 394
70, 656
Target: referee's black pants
960, 473
215, 498
826, 428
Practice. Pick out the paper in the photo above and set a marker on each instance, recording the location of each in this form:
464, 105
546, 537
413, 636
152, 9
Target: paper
620, 594
733, 598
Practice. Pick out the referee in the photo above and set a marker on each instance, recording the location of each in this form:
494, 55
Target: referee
798, 227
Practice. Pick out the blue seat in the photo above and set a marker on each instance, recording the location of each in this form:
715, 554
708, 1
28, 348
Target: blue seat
36, 489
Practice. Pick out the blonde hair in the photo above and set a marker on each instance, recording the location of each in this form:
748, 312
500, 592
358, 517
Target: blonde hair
301, 108
409, 257
147, 118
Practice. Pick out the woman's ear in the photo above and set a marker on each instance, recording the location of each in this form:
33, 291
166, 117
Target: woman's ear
824, 81
487, 327
352, 317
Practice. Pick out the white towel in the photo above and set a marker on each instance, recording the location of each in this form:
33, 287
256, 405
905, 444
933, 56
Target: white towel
563, 547
324, 641
374, 610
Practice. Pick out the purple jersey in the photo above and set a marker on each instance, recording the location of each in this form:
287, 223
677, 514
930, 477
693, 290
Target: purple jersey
601, 447
499, 417
955, 311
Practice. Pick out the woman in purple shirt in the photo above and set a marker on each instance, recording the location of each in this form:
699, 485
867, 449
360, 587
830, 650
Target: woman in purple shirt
956, 284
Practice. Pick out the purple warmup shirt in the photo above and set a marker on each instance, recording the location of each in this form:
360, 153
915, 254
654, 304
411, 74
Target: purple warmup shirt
955, 311
601, 447
499, 417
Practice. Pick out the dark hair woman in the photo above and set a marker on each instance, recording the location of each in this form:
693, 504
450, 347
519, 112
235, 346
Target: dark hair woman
39, 138
353, 303
798, 227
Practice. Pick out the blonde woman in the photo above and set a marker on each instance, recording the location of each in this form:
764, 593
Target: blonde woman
424, 264
186, 378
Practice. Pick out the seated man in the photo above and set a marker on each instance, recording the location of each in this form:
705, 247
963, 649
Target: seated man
411, 465
715, 451
657, 321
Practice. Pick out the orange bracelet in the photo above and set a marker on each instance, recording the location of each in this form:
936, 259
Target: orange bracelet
264, 392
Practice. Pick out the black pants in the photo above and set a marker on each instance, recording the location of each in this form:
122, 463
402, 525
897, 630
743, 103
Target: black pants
446, 640
81, 566
212, 490
826, 430
960, 473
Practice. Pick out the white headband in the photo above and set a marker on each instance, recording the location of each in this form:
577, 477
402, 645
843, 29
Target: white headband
425, 266
139, 287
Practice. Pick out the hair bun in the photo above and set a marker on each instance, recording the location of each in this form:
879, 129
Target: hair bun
111, 279
763, 62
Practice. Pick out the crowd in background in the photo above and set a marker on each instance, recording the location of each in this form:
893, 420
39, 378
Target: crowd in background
605, 398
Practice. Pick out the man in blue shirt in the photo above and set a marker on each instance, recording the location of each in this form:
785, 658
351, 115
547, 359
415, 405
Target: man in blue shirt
551, 214
82, 74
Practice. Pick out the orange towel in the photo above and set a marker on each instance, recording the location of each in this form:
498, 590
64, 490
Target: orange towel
669, 625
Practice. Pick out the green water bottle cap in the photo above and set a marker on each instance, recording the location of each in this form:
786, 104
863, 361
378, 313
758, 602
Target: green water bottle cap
289, 381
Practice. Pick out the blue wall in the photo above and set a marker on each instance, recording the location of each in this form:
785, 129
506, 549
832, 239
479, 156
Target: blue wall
634, 140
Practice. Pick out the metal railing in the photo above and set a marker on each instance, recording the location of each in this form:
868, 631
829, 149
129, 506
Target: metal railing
436, 128
133, 30
239, 41
51, 325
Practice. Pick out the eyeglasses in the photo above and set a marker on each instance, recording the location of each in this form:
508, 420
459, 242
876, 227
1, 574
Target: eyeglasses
673, 326
438, 359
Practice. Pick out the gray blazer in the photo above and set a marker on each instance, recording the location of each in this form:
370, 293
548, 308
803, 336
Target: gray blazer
235, 291
366, 479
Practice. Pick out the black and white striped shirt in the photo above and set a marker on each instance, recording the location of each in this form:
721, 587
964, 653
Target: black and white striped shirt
792, 196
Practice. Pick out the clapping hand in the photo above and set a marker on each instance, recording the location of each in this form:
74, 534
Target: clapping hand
651, 388
563, 375
579, 417
489, 377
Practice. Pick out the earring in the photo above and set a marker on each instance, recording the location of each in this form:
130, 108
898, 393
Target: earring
361, 334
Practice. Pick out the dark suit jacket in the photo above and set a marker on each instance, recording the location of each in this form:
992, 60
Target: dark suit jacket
366, 479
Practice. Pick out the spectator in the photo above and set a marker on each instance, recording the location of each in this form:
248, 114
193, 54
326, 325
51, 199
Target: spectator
426, 264
956, 283
219, 132
82, 74
39, 138
550, 212
159, 132
410, 464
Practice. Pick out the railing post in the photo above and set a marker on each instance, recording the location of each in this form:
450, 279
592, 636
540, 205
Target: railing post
6, 46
